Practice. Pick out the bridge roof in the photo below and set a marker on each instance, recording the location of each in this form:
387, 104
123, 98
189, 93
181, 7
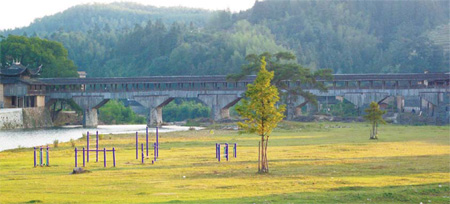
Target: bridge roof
250, 78
392, 77
152, 79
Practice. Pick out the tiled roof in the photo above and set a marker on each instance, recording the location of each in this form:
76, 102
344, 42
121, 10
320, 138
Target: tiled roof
18, 69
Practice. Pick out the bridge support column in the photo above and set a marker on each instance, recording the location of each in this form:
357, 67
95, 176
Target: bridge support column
294, 107
219, 104
90, 104
90, 118
155, 118
400, 103
155, 104
438, 105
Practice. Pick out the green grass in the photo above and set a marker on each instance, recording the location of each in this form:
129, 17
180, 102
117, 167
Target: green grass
309, 163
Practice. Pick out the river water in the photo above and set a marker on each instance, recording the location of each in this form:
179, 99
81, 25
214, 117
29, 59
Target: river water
10, 139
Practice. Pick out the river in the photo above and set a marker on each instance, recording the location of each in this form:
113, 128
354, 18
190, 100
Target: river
10, 139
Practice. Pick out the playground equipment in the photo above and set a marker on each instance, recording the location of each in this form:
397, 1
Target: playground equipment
142, 153
96, 146
155, 145
41, 158
86, 152
225, 150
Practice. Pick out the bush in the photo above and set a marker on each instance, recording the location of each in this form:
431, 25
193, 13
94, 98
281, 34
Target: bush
184, 110
55, 143
114, 112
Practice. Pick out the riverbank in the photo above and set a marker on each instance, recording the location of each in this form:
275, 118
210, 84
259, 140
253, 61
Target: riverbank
22, 138
309, 163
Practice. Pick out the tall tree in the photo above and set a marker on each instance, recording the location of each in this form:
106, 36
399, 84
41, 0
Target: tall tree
287, 71
375, 117
34, 52
261, 115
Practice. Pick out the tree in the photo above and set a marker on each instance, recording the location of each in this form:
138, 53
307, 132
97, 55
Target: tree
260, 112
287, 70
374, 116
34, 52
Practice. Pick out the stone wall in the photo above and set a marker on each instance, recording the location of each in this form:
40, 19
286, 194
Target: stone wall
68, 118
37, 118
1, 96
11, 118
17, 118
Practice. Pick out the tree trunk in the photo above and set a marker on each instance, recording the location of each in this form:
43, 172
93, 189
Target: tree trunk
262, 154
376, 131
372, 135
266, 160
259, 156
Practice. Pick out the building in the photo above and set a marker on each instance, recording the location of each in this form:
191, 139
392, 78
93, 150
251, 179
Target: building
19, 87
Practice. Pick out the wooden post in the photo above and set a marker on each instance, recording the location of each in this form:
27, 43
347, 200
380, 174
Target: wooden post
104, 157
114, 157
87, 153
76, 162
96, 147
34, 156
84, 161
146, 140
137, 157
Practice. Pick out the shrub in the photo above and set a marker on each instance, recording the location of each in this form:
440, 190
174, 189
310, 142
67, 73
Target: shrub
55, 143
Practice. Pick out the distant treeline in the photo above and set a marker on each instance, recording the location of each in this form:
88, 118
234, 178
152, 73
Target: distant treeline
127, 39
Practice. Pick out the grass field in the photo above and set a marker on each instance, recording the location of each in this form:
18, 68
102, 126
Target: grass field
309, 163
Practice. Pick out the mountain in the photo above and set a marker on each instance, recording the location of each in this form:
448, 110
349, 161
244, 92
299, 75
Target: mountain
128, 39
116, 16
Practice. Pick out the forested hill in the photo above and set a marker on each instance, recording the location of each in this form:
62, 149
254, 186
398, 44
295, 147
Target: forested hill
358, 36
115, 16
127, 39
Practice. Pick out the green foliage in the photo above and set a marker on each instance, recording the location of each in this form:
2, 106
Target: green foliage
114, 112
127, 39
343, 109
375, 117
357, 36
184, 110
286, 69
261, 115
34, 52
259, 111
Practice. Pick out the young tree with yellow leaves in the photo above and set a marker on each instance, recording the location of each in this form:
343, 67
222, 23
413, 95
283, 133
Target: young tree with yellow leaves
374, 116
260, 111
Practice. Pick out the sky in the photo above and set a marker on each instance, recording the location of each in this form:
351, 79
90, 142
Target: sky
20, 13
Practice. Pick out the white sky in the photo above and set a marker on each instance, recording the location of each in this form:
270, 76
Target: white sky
20, 13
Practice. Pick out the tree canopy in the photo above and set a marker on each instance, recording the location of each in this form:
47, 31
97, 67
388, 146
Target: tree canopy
34, 52
286, 71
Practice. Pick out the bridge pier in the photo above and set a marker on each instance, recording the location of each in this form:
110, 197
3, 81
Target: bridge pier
294, 107
90, 118
90, 104
400, 103
155, 104
219, 104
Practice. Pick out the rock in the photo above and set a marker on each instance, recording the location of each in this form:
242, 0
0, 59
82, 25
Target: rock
79, 170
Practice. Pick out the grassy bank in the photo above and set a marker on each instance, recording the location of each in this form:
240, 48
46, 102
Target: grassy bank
309, 163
